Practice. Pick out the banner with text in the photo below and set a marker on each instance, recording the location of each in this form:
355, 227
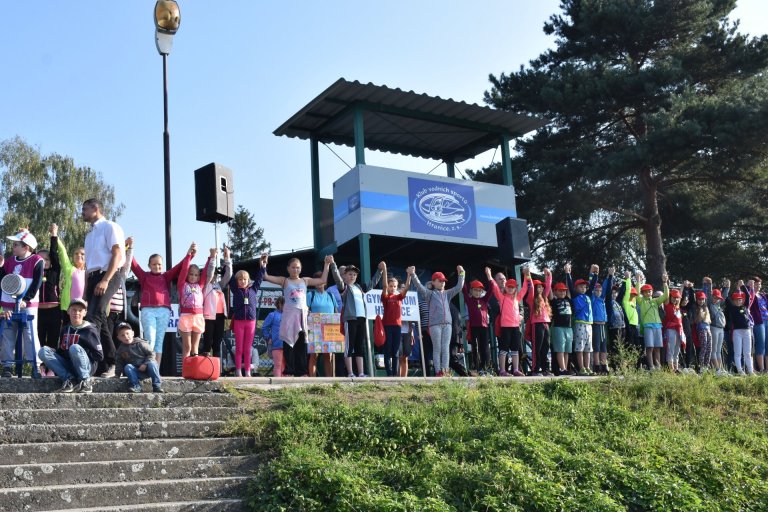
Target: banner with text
409, 307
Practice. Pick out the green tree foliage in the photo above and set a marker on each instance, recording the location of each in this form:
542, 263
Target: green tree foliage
246, 239
38, 190
658, 111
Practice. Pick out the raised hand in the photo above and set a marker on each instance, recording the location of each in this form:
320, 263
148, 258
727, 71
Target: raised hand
411, 270
664, 278
548, 272
459, 269
264, 259
212, 252
627, 274
526, 272
382, 266
594, 269
226, 252
54, 229
707, 280
128, 241
567, 268
192, 249
488, 273
328, 260
611, 271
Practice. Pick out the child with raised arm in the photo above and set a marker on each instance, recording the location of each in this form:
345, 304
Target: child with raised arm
215, 306
650, 320
673, 326
440, 319
562, 330
293, 326
353, 314
320, 300
582, 316
477, 323
627, 297
600, 294
738, 318
510, 342
245, 301
155, 297
392, 302
717, 327
541, 315
72, 272
191, 319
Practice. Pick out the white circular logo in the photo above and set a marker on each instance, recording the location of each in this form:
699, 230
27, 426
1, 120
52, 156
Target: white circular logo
444, 209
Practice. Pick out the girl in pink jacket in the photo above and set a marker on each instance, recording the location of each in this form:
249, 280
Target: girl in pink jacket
541, 314
510, 336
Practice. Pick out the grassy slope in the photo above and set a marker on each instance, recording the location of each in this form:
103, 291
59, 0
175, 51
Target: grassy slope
656, 442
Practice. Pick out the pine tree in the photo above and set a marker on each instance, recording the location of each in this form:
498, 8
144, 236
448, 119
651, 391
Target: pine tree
659, 111
246, 239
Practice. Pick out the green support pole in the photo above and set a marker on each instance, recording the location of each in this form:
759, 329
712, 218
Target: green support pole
506, 163
364, 240
451, 165
316, 214
359, 137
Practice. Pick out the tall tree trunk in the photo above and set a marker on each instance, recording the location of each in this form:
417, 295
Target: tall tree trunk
656, 260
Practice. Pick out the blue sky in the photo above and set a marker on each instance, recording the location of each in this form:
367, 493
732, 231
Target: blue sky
84, 79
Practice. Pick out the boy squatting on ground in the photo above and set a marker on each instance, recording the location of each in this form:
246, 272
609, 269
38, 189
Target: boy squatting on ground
79, 352
136, 360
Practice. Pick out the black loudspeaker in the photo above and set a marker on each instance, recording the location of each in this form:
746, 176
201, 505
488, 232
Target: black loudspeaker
214, 194
512, 238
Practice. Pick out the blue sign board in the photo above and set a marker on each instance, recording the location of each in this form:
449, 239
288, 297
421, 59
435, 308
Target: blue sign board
442, 208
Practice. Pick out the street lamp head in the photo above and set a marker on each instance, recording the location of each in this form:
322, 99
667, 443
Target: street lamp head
167, 16
167, 21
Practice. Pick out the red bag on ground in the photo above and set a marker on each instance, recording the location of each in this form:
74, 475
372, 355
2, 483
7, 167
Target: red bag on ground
201, 368
379, 338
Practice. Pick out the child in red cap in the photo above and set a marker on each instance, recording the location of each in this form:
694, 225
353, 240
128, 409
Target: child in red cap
673, 325
717, 327
477, 322
510, 341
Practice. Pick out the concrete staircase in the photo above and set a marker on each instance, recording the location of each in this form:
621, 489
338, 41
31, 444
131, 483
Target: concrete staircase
111, 450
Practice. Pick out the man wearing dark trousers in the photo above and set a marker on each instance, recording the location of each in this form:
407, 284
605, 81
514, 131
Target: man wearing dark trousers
104, 255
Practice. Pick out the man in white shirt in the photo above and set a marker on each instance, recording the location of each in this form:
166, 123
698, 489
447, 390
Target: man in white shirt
104, 255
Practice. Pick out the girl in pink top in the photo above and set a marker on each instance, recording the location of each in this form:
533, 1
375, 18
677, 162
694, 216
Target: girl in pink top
541, 314
510, 341
155, 298
190, 285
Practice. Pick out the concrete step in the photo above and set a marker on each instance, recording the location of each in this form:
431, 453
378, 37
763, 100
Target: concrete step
113, 400
224, 505
84, 473
42, 433
114, 415
68, 497
137, 449
111, 385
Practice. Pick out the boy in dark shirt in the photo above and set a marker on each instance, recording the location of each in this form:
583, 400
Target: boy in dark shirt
562, 332
136, 360
79, 351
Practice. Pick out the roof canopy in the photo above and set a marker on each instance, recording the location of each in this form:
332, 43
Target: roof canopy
405, 122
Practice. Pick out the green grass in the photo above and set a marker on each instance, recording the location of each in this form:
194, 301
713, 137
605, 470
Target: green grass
658, 442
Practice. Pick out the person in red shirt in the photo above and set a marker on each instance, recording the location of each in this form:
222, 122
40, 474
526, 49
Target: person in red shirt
477, 312
673, 323
391, 300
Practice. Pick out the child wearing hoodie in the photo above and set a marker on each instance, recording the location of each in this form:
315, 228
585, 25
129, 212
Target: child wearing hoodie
583, 319
717, 326
650, 321
510, 342
673, 325
599, 296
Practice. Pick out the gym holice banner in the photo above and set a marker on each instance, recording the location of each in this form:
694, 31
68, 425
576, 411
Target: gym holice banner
382, 201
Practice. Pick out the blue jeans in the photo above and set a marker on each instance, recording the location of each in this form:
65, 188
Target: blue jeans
76, 365
154, 322
392, 350
134, 375
759, 332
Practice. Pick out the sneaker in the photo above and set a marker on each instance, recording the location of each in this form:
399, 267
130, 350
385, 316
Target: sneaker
504, 373
538, 374
158, 390
361, 376
481, 373
67, 387
518, 373
135, 389
110, 372
439, 374
85, 386
547, 374
583, 373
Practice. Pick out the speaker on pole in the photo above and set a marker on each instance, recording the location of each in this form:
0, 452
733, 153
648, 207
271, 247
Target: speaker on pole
214, 193
513, 243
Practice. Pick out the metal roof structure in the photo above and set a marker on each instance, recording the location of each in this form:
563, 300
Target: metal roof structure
405, 122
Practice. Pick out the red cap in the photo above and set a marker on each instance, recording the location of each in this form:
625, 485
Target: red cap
738, 295
536, 282
633, 291
438, 276
511, 283
675, 294
560, 287
646, 287
716, 293
473, 284
580, 281
701, 295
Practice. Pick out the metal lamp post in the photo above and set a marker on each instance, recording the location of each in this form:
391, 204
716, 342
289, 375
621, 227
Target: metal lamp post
167, 21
